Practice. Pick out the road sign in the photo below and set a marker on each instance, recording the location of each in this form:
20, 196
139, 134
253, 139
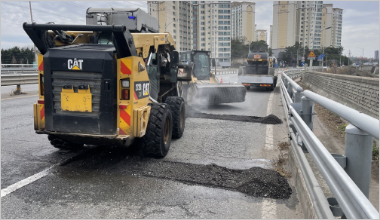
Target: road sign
311, 54
322, 55
311, 58
303, 64
320, 58
303, 59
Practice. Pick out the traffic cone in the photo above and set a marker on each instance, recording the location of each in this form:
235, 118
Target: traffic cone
221, 80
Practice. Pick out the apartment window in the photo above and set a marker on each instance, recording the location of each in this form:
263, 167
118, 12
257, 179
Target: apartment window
173, 13
202, 12
202, 17
203, 44
203, 34
202, 6
202, 39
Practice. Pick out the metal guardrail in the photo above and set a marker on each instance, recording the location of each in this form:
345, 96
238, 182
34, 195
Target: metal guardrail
349, 182
18, 68
225, 71
18, 79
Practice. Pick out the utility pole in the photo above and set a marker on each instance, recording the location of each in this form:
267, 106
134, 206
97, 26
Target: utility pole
34, 46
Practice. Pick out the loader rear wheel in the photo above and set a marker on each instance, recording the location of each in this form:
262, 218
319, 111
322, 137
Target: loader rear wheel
62, 144
158, 136
177, 106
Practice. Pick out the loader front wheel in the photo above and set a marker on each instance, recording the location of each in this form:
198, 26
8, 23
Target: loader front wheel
62, 144
158, 136
177, 106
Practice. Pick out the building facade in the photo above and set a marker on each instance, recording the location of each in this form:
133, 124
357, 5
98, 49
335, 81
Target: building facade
310, 19
261, 35
212, 29
332, 19
271, 36
174, 17
243, 21
284, 24
309, 23
376, 55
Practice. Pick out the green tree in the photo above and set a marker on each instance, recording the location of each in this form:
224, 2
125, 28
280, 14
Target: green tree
17, 55
259, 46
238, 49
270, 51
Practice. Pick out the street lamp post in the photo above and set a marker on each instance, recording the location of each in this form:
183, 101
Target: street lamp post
324, 38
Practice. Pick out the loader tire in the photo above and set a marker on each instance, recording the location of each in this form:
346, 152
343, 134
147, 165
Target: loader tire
248, 87
177, 106
62, 144
156, 141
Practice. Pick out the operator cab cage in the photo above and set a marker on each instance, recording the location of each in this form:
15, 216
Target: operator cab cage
201, 60
135, 19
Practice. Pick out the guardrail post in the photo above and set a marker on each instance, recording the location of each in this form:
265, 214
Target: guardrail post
298, 95
359, 157
285, 81
18, 90
307, 111
290, 90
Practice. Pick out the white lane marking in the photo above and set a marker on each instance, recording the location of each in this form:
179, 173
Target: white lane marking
269, 128
19, 97
268, 210
25, 182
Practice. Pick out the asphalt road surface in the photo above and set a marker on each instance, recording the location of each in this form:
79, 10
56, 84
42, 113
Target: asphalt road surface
218, 169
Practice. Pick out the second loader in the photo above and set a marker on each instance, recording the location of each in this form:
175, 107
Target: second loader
203, 87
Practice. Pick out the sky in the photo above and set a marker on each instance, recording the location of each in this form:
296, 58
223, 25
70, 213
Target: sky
360, 20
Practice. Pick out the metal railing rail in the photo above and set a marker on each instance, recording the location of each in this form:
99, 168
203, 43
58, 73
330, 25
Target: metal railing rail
345, 181
16, 68
18, 79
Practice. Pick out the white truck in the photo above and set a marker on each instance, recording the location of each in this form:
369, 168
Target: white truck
259, 71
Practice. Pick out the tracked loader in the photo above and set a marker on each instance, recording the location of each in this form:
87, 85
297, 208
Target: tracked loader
204, 87
103, 85
259, 71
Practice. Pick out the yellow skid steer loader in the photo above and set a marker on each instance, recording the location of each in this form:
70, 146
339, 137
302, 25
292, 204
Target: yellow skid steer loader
103, 85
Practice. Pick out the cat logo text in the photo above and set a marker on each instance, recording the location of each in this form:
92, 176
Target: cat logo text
74, 65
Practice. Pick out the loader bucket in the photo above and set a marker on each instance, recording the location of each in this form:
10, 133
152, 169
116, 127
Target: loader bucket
211, 94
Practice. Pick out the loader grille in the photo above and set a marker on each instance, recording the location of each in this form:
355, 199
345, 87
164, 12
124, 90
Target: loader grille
62, 78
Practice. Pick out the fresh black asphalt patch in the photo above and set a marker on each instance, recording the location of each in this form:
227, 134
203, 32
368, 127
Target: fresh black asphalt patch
270, 119
255, 181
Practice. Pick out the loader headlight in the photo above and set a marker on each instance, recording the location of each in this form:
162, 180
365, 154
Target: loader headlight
125, 83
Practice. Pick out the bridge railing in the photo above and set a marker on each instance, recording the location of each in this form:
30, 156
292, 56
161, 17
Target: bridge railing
18, 68
348, 181
225, 71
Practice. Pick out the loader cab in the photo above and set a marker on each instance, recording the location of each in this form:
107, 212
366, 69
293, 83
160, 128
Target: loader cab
201, 60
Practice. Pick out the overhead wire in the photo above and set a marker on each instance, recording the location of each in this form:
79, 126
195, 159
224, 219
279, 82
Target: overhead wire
44, 12
24, 13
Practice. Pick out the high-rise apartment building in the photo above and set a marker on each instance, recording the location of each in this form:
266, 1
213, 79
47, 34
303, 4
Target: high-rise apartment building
261, 35
331, 19
309, 23
270, 36
337, 27
243, 21
212, 29
174, 17
284, 24
376, 55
